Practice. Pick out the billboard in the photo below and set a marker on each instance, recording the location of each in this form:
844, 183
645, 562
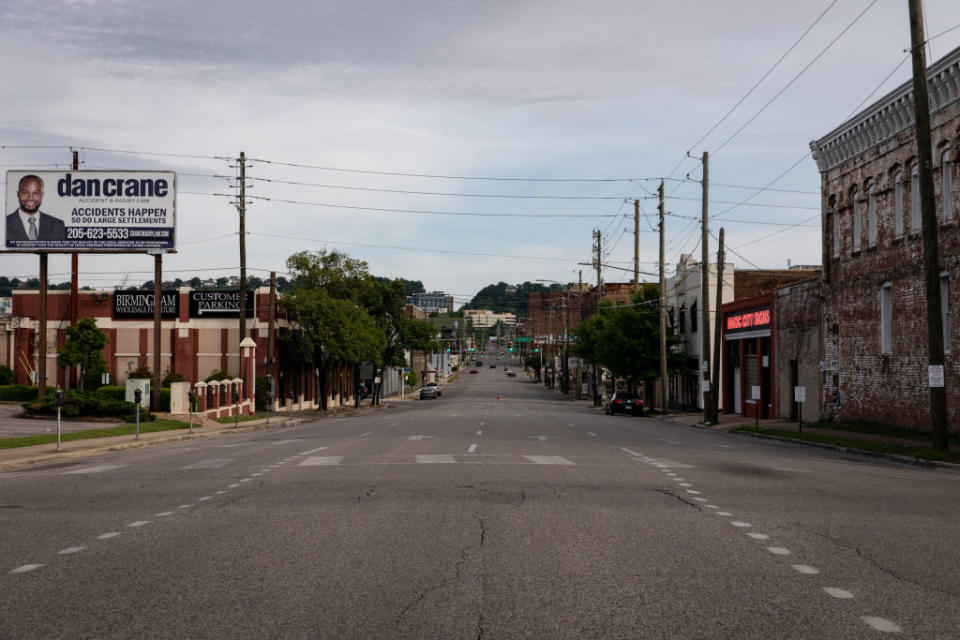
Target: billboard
68, 211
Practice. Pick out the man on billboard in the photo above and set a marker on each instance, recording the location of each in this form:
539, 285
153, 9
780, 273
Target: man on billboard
28, 222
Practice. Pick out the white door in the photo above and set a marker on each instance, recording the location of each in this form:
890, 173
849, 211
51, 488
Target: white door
736, 391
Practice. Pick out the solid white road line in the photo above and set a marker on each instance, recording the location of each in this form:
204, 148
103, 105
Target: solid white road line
321, 461
70, 550
107, 536
548, 460
472, 448
806, 569
26, 568
843, 594
882, 624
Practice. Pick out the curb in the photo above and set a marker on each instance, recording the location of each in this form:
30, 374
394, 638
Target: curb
892, 457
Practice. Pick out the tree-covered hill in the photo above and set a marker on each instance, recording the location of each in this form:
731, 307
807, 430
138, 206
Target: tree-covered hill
507, 298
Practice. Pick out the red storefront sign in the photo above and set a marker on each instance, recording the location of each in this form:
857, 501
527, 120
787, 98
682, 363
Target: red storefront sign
748, 320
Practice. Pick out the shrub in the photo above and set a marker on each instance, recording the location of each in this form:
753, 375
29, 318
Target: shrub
112, 392
171, 377
6, 375
412, 379
142, 371
85, 404
219, 376
21, 392
260, 393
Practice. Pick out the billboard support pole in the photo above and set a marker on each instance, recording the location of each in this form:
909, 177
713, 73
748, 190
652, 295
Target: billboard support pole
157, 308
75, 291
42, 331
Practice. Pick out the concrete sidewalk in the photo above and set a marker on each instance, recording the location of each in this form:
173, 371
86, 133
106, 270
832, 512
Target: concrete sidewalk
23, 457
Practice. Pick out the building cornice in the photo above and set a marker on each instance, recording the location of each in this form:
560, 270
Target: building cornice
888, 116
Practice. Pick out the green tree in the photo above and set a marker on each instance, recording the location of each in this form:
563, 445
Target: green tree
84, 347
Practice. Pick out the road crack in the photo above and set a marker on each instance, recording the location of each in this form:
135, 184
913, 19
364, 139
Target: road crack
680, 498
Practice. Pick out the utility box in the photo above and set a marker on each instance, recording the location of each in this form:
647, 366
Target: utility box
139, 383
179, 397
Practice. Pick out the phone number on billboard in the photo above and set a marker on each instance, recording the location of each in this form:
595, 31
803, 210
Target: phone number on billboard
98, 233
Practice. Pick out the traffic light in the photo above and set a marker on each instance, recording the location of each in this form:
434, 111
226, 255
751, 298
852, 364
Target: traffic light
448, 347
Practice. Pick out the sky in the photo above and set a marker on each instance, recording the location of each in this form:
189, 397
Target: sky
457, 143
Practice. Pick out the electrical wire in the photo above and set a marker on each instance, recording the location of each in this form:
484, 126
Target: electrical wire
794, 79
749, 204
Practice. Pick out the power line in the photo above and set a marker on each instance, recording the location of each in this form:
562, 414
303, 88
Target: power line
418, 249
794, 79
743, 186
757, 84
749, 204
727, 247
437, 193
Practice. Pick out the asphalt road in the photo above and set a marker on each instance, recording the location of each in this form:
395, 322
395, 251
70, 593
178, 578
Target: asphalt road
477, 517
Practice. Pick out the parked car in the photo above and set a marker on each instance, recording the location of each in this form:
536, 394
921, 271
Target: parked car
624, 402
511, 373
431, 393
474, 371
493, 366
434, 385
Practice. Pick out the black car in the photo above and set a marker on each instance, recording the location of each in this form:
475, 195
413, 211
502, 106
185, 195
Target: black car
623, 402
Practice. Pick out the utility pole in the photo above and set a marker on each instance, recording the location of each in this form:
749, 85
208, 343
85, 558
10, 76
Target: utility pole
718, 324
705, 292
242, 209
596, 368
663, 307
928, 216
565, 383
157, 309
636, 246
271, 323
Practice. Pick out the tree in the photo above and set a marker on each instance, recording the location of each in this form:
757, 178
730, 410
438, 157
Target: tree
84, 347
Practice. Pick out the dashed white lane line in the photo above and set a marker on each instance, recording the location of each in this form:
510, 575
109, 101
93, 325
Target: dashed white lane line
882, 624
691, 491
139, 523
27, 568
317, 461
472, 448
220, 493
204, 498
185, 506
70, 550
725, 514
95, 468
306, 453
480, 433
247, 480
700, 499
779, 551
806, 569
212, 463
368, 433
256, 475
836, 592
107, 536
163, 514
436, 459
741, 525
633, 453
285, 441
685, 484
547, 460
591, 433
234, 485
759, 536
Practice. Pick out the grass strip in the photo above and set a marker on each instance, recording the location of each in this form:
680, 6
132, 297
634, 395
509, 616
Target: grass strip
127, 429
862, 445
248, 418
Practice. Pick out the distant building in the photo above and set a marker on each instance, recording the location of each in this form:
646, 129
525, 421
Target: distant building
485, 319
6, 306
433, 302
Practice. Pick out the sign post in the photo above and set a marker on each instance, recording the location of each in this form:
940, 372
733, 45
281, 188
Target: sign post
59, 404
800, 396
755, 396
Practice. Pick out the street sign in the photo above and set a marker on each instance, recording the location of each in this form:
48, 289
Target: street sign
935, 373
755, 392
799, 394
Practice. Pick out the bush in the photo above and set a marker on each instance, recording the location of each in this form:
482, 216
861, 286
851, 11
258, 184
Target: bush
412, 379
6, 375
219, 376
171, 377
112, 392
85, 404
21, 392
260, 393
142, 371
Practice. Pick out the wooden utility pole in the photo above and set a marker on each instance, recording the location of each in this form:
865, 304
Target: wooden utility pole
705, 292
928, 216
271, 323
663, 307
717, 343
242, 209
636, 246
596, 368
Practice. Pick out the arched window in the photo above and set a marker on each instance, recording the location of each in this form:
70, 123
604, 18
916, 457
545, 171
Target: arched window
898, 205
872, 215
947, 194
857, 214
915, 199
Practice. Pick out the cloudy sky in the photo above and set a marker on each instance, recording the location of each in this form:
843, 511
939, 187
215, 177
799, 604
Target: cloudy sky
457, 143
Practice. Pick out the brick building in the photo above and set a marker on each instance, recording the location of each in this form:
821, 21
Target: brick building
875, 333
